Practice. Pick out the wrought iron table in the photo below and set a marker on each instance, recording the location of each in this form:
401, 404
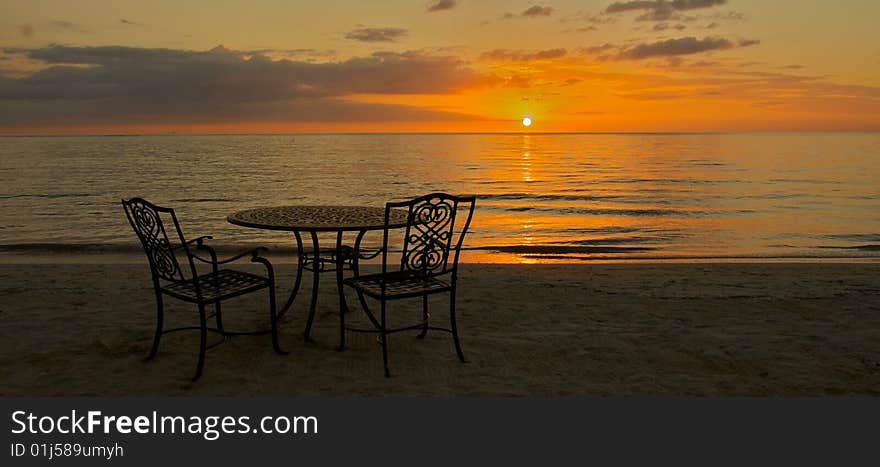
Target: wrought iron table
314, 220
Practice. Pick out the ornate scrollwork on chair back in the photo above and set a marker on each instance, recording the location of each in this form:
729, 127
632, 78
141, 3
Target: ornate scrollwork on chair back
147, 223
428, 236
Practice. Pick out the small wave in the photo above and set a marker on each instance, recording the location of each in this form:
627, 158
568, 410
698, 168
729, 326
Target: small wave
652, 212
854, 237
857, 247
47, 196
69, 248
202, 200
556, 250
675, 181
700, 163
111, 248
623, 212
806, 180
546, 197
770, 196
611, 229
624, 240
696, 258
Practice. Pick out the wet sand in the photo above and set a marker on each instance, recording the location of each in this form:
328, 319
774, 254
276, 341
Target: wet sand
550, 330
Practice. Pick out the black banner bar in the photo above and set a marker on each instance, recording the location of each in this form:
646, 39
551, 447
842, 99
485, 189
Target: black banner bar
451, 430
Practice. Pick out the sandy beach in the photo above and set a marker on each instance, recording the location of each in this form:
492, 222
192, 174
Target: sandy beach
787, 329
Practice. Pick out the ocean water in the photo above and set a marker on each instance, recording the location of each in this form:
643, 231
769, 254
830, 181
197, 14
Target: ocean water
541, 197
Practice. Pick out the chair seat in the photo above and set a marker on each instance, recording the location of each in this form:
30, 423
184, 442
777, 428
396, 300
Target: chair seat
398, 285
226, 283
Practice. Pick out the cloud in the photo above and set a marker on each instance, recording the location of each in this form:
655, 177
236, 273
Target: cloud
597, 49
729, 16
537, 10
618, 7
501, 55
600, 18
440, 5
364, 34
114, 85
790, 101
673, 47
665, 26
667, 48
587, 21
307, 54
660, 10
26, 30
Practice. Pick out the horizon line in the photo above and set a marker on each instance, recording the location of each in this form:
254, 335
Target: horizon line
310, 133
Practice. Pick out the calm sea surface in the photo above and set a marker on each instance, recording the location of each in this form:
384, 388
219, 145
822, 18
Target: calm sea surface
542, 197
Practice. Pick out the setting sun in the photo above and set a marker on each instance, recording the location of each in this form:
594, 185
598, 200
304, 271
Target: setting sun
527, 121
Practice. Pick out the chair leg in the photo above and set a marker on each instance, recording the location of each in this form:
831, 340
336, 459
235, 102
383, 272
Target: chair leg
219, 317
299, 274
356, 267
454, 326
316, 275
425, 316
160, 317
273, 318
343, 306
203, 343
384, 341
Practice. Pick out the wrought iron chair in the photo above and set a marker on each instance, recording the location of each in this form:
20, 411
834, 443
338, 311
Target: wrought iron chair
425, 266
170, 279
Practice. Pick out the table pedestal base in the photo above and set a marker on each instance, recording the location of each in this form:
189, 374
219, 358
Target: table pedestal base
342, 257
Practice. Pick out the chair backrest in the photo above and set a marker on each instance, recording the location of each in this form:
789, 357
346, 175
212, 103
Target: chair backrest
429, 239
146, 221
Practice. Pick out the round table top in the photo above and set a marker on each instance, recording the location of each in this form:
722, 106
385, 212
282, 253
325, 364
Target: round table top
318, 218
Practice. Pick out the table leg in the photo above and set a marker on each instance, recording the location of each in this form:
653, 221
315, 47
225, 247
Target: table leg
355, 263
299, 273
356, 266
316, 273
340, 262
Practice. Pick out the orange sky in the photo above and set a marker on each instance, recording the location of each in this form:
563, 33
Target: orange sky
676, 65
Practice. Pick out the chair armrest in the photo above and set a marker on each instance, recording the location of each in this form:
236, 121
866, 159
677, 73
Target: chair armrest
254, 253
198, 241
270, 271
213, 259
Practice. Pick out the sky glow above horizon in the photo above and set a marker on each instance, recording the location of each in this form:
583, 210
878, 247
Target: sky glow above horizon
269, 66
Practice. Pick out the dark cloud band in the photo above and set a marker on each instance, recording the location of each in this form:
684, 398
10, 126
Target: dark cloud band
441, 5
376, 34
660, 10
93, 85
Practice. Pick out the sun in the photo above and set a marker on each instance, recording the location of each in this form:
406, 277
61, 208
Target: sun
527, 121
